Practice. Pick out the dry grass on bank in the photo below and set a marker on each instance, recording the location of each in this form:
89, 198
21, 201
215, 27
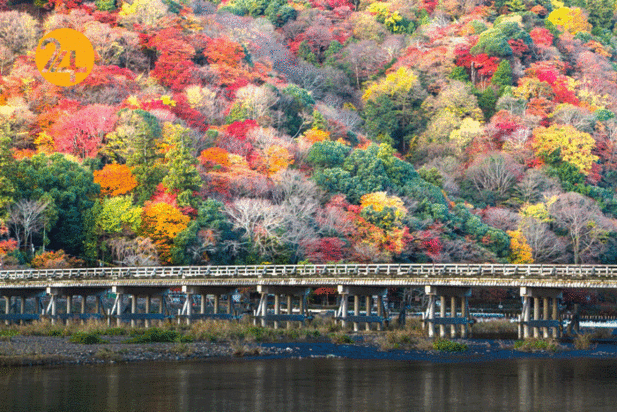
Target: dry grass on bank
497, 327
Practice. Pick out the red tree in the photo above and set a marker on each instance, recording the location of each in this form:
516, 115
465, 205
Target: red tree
81, 133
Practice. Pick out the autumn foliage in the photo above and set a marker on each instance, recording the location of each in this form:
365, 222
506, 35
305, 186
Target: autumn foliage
162, 222
115, 180
349, 131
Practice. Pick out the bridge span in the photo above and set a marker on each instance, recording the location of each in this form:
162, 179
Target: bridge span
540, 287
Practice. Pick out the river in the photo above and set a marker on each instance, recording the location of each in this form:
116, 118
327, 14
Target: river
316, 385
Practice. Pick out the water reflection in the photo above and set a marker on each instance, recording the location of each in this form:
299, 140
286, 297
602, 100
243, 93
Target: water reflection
315, 384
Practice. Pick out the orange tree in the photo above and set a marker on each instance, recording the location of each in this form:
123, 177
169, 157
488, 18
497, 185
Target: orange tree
115, 179
162, 222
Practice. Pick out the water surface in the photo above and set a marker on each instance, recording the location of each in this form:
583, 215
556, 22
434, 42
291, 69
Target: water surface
316, 385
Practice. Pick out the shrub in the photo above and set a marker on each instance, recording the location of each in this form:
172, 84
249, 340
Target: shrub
445, 345
86, 338
340, 338
154, 335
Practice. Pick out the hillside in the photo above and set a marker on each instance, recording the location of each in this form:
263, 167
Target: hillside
251, 131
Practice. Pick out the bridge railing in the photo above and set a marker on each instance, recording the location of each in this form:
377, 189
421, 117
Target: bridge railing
326, 270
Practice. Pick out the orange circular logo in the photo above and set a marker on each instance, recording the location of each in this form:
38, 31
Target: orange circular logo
64, 57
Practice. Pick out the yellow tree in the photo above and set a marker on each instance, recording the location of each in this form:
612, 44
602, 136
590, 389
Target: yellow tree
575, 146
383, 210
277, 158
520, 251
569, 19
316, 135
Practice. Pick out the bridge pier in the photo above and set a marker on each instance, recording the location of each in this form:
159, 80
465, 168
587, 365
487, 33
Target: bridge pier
456, 294
289, 292
69, 292
18, 304
134, 292
357, 292
204, 291
546, 316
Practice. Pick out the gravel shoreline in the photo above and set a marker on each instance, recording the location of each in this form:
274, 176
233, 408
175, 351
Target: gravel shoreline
45, 350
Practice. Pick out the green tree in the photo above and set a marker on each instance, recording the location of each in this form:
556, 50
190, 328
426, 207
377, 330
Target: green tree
502, 76
113, 215
487, 100
459, 73
182, 175
71, 189
493, 42
6, 162
327, 154
393, 108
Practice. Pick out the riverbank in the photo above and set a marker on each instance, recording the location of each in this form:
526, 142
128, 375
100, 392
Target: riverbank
58, 350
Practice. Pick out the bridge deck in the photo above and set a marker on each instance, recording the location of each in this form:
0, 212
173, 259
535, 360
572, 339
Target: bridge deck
384, 275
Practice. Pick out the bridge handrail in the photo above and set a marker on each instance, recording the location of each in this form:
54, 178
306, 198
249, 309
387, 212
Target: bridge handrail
316, 270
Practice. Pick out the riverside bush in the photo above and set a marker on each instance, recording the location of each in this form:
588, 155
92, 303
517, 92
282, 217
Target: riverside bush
445, 345
154, 335
340, 338
86, 338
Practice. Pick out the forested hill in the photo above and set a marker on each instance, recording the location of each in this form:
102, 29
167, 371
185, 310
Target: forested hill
251, 131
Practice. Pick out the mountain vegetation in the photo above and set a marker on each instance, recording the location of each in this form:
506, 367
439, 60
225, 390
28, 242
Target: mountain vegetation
290, 131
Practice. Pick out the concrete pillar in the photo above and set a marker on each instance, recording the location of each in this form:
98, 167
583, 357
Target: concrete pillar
230, 304
536, 316
189, 307
217, 303
526, 316
464, 315
277, 308
380, 311
264, 309
83, 307
442, 313
22, 307
133, 308
69, 304
431, 315
345, 308
545, 316
556, 317
54, 309
453, 315
356, 310
289, 309
369, 302
97, 304
7, 308
119, 309
161, 308
202, 309
147, 310
37, 305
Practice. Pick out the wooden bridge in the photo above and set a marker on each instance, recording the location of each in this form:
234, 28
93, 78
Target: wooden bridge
540, 286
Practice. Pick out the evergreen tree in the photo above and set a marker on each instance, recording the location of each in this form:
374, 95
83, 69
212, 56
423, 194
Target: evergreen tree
6, 161
502, 76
